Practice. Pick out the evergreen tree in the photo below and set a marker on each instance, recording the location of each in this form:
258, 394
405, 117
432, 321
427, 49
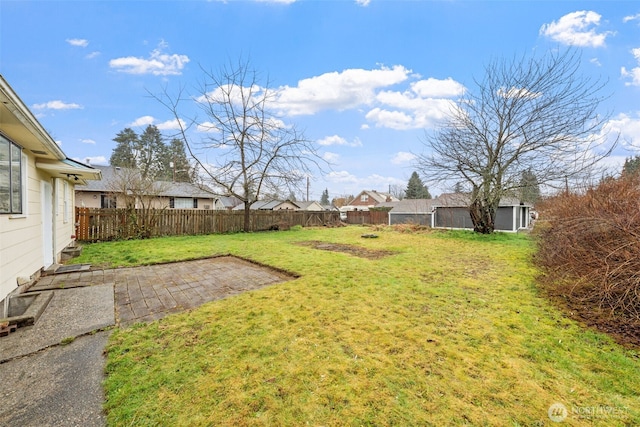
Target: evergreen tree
324, 199
631, 165
125, 153
416, 188
178, 167
152, 153
457, 188
529, 187
151, 156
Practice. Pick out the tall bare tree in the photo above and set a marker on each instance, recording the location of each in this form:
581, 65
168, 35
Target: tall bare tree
534, 114
249, 149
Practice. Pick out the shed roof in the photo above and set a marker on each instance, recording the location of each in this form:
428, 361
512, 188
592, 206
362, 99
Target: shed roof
458, 200
410, 206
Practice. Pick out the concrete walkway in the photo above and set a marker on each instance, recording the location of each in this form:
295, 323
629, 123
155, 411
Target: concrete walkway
52, 372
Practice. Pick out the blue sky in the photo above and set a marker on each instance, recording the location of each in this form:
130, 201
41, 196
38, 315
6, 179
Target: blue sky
364, 79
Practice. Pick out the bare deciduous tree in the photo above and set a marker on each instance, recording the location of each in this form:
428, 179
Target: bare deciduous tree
141, 196
249, 150
534, 114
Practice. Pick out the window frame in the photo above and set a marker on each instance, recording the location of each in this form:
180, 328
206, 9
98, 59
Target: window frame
16, 180
108, 201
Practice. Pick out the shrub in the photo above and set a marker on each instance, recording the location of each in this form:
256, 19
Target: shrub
589, 245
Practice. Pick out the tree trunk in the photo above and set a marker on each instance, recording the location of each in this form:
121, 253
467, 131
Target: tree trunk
247, 217
483, 217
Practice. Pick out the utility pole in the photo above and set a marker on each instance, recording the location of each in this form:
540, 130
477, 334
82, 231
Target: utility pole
307, 189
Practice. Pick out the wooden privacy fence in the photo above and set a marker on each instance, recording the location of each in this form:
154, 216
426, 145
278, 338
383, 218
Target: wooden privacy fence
367, 217
111, 224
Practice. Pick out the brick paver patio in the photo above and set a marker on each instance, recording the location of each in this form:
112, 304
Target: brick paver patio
151, 292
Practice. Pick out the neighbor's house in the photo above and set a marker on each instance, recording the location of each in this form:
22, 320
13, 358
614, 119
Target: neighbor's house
271, 205
110, 192
452, 211
278, 205
226, 203
310, 206
368, 199
37, 183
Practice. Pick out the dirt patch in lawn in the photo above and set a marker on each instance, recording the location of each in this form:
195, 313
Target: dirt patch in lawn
348, 249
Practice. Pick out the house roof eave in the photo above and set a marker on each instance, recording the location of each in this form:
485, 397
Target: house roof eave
20, 125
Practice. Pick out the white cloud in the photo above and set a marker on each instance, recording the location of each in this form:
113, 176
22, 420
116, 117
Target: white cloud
576, 29
174, 124
276, 1
158, 63
338, 90
143, 121
87, 141
422, 106
78, 42
93, 54
596, 62
628, 127
338, 140
364, 3
93, 160
379, 181
207, 127
402, 157
514, 92
631, 18
391, 119
634, 73
435, 88
150, 120
57, 105
342, 177
331, 157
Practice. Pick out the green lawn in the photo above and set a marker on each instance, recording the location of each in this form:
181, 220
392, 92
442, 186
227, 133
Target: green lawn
449, 329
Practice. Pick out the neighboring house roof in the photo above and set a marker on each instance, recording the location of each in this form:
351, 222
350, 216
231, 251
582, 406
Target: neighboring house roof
21, 126
330, 207
379, 196
184, 189
165, 188
266, 205
105, 185
229, 202
464, 200
310, 206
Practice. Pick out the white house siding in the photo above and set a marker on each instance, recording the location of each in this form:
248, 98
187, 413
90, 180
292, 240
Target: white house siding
63, 227
21, 244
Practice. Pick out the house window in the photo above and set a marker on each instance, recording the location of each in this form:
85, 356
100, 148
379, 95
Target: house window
183, 203
107, 201
10, 177
364, 198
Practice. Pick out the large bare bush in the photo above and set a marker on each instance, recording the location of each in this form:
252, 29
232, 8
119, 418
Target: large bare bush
590, 246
